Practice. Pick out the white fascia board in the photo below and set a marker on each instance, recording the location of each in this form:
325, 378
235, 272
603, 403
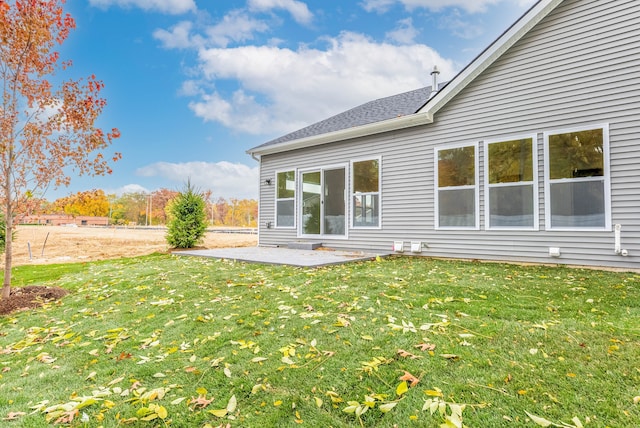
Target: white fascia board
490, 55
394, 124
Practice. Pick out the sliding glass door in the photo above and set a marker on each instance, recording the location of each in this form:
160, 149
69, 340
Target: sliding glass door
323, 203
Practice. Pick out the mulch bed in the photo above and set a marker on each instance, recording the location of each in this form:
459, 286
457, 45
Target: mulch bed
29, 297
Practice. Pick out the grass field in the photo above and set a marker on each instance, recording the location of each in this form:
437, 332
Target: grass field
187, 342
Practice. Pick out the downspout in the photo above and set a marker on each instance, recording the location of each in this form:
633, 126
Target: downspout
618, 241
257, 159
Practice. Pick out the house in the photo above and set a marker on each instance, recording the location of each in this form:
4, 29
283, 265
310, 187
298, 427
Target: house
530, 154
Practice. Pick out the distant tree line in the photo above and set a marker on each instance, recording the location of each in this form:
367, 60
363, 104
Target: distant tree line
143, 208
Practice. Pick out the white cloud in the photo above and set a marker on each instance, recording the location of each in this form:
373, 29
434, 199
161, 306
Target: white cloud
471, 6
178, 37
459, 27
405, 33
283, 89
236, 26
226, 179
127, 188
173, 7
189, 88
379, 6
298, 10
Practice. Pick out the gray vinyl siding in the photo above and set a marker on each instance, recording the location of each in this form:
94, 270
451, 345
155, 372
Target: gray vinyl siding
580, 66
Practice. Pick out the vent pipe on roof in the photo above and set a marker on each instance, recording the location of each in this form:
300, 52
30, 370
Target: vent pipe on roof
434, 80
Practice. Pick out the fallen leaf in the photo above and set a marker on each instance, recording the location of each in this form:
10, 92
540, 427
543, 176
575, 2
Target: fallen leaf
405, 354
12, 416
434, 393
123, 356
161, 412
425, 346
117, 380
232, 404
67, 417
450, 356
219, 413
387, 407
577, 422
538, 420
402, 388
200, 402
409, 378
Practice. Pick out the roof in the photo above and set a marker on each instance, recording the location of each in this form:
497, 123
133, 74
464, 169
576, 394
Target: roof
370, 112
395, 112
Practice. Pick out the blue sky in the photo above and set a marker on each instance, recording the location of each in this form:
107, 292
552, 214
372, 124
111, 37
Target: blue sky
193, 84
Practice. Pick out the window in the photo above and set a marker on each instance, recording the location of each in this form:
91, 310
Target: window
457, 187
285, 198
366, 193
510, 179
577, 179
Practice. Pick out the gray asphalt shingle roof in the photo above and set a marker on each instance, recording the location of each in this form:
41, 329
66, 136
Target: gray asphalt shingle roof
374, 111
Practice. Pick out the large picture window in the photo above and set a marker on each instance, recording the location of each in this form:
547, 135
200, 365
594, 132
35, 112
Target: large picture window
285, 198
366, 193
457, 187
510, 180
577, 179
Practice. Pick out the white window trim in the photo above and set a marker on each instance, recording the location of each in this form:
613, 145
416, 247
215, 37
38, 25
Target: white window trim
352, 193
606, 178
476, 187
487, 185
294, 199
298, 206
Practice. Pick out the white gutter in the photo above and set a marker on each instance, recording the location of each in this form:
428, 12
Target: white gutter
346, 134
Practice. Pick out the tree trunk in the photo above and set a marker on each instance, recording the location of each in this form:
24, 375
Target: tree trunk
8, 248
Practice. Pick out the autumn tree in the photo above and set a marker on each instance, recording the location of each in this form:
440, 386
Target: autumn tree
90, 203
241, 213
218, 210
32, 205
129, 208
160, 199
47, 125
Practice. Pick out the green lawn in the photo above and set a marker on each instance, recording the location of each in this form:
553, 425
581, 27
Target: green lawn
190, 342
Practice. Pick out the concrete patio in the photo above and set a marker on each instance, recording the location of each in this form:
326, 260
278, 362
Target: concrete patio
284, 256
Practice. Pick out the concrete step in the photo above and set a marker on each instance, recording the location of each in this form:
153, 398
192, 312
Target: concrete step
304, 245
